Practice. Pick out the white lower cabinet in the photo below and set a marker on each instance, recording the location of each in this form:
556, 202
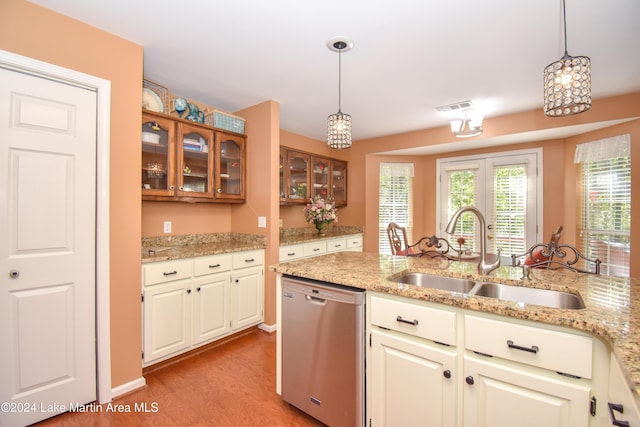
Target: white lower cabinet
352, 243
498, 394
412, 381
622, 405
437, 365
191, 302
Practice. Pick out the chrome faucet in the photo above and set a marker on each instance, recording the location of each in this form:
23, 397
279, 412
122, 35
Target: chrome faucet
484, 267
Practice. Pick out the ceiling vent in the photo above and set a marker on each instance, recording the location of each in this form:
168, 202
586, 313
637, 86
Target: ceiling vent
458, 106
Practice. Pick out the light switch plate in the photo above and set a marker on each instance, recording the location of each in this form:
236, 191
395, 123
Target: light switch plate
167, 226
262, 222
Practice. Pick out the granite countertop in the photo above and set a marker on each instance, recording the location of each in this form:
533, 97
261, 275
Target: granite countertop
293, 236
169, 248
612, 310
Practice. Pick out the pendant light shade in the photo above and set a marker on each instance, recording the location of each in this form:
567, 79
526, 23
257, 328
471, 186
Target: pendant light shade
339, 124
567, 82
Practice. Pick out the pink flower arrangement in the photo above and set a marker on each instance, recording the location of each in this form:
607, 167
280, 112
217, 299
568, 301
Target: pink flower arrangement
320, 210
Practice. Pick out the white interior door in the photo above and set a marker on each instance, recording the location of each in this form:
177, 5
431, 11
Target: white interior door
47, 247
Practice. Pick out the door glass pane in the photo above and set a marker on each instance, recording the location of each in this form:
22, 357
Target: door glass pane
230, 167
155, 156
320, 177
509, 209
462, 192
195, 167
298, 169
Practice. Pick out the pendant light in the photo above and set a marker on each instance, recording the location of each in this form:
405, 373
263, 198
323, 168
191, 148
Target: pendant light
567, 82
339, 124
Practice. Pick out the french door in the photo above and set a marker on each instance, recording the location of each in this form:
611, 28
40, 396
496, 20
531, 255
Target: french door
504, 187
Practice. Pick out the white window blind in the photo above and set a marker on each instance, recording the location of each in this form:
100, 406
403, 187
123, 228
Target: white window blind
462, 192
508, 210
395, 200
605, 205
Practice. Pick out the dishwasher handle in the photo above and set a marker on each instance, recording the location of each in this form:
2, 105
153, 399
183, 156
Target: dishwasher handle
315, 300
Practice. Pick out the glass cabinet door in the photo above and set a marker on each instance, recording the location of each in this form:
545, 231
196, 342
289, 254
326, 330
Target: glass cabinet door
283, 157
195, 161
158, 161
319, 177
298, 172
230, 166
339, 182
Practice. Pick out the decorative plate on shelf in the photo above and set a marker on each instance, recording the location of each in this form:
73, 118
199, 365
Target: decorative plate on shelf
151, 101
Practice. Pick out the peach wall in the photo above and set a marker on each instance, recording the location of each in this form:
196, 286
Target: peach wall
263, 121
29, 30
186, 218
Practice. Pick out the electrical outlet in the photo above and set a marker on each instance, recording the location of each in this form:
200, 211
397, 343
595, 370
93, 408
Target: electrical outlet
262, 222
281, 223
167, 226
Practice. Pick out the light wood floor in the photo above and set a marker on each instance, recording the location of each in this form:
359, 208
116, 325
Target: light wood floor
229, 385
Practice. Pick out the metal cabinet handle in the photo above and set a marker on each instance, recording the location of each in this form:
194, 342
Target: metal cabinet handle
533, 349
172, 187
188, 291
198, 289
219, 190
214, 265
447, 374
469, 380
171, 273
250, 260
618, 408
291, 254
14, 274
409, 322
181, 188
316, 249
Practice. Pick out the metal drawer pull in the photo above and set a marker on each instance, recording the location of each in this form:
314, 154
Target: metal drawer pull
214, 265
533, 349
171, 273
618, 408
410, 322
291, 254
250, 260
316, 249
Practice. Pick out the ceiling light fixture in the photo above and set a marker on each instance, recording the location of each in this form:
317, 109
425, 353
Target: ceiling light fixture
339, 124
470, 125
567, 82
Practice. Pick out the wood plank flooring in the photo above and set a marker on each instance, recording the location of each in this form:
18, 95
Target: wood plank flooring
228, 385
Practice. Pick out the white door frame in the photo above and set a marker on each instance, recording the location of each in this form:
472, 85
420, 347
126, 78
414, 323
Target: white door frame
103, 90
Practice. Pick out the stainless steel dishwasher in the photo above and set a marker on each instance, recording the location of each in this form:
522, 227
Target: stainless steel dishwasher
323, 350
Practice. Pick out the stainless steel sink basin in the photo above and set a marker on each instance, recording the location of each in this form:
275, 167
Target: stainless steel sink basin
436, 282
544, 297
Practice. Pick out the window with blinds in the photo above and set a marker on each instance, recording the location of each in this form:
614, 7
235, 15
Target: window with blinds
395, 201
509, 208
605, 205
462, 186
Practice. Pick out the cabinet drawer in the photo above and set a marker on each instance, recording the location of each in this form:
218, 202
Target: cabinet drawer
288, 253
211, 264
313, 249
553, 350
247, 259
354, 242
336, 245
162, 272
414, 319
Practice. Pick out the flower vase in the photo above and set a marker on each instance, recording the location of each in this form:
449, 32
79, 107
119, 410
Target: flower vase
320, 227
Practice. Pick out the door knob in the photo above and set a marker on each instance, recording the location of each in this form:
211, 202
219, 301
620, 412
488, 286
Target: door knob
14, 274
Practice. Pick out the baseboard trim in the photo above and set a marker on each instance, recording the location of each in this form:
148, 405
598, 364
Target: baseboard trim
268, 328
128, 387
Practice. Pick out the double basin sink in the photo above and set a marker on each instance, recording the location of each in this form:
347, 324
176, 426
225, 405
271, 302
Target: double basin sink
543, 297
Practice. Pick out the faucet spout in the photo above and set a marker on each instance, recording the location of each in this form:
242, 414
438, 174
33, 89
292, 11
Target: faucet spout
484, 267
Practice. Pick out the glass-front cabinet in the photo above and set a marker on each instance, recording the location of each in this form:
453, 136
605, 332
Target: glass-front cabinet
339, 182
185, 161
158, 164
229, 167
305, 175
296, 177
319, 177
196, 161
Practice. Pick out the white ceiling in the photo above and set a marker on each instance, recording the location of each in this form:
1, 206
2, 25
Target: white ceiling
410, 56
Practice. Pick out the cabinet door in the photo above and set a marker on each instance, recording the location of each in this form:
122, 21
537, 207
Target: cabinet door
413, 383
211, 317
247, 297
158, 156
620, 395
513, 395
230, 167
339, 182
195, 161
319, 177
297, 173
167, 319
